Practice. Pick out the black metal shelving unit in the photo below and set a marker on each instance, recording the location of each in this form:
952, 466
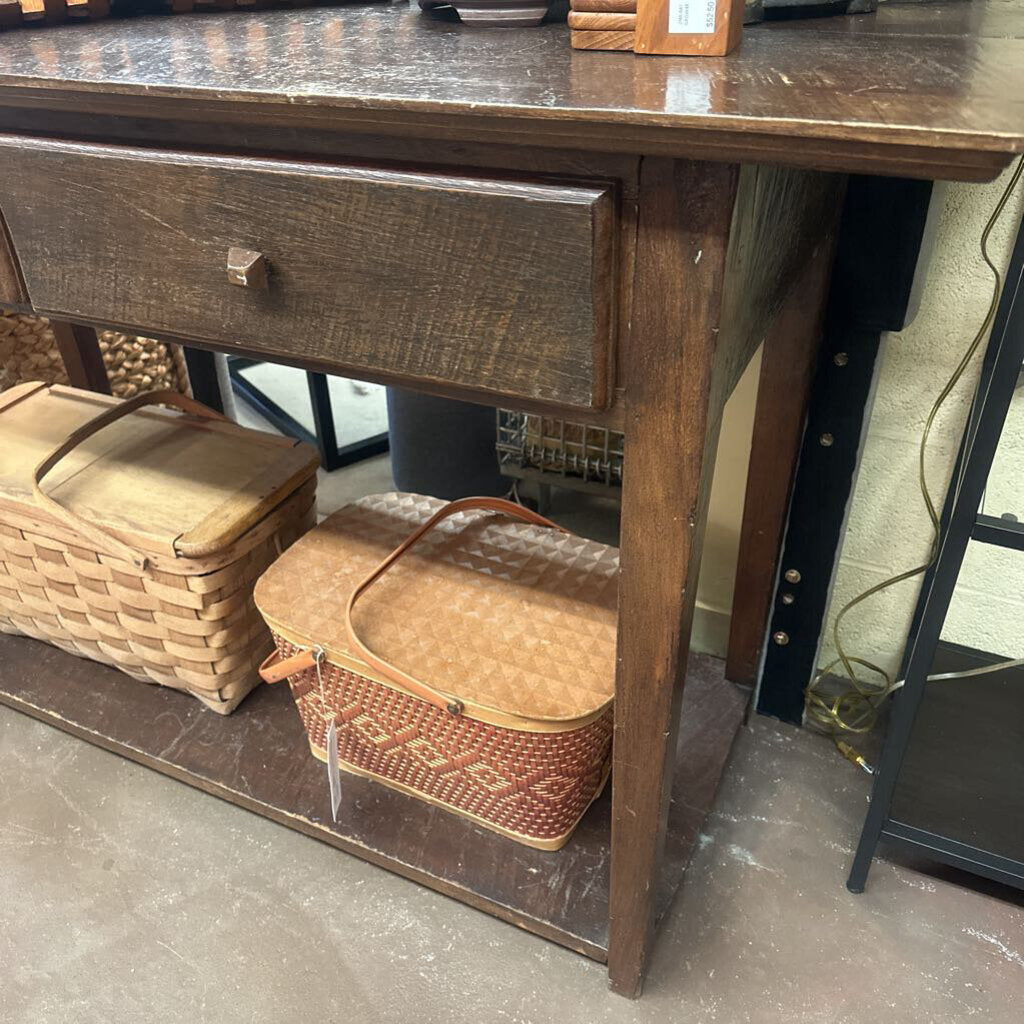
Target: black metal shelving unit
950, 780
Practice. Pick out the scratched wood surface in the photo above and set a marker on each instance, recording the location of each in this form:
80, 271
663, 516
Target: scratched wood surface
936, 92
258, 758
781, 220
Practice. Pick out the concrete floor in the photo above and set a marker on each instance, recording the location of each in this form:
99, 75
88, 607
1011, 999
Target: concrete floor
128, 897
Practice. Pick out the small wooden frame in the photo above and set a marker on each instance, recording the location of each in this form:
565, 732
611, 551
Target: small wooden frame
604, 6
587, 21
603, 40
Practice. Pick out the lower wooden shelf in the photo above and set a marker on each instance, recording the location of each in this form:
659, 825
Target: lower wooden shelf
258, 759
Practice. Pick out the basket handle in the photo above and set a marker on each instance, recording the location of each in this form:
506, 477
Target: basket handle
422, 690
97, 536
273, 668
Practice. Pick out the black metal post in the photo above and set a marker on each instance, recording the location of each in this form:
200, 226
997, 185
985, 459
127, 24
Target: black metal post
324, 437
874, 285
202, 375
323, 418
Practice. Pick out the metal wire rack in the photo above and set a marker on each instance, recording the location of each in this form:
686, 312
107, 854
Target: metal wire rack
551, 451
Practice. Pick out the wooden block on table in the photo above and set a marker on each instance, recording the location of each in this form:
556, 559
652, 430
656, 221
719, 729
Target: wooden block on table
601, 40
586, 21
604, 6
695, 28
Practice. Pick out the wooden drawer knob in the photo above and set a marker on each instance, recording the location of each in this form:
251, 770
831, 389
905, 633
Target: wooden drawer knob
247, 269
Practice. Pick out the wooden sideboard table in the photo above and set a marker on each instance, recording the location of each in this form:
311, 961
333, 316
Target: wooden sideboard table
492, 216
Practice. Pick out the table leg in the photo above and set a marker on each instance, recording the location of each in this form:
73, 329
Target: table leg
80, 350
323, 419
787, 369
202, 376
671, 436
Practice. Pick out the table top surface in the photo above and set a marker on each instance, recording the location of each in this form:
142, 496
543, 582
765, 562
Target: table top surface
940, 76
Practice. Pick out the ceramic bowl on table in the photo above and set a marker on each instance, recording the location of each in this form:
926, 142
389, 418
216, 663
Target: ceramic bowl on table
496, 13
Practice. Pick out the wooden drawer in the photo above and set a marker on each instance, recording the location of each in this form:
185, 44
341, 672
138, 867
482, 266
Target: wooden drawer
498, 286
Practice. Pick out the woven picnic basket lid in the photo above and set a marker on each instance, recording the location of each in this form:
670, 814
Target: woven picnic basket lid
161, 481
517, 620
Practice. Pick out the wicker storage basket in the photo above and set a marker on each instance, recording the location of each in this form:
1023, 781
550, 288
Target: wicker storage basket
512, 624
28, 351
134, 537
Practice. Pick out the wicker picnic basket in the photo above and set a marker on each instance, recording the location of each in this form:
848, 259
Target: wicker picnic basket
477, 671
134, 536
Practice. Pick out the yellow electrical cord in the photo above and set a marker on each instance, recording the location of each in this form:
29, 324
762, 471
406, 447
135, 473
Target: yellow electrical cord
854, 707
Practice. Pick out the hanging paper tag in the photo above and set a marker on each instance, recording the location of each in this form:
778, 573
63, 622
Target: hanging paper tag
333, 773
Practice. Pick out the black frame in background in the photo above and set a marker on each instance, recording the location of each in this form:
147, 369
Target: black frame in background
325, 439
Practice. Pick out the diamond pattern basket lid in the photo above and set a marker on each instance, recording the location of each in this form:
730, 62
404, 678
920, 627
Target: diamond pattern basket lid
159, 480
515, 620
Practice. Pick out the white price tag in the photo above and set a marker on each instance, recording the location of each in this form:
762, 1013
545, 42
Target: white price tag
333, 772
691, 17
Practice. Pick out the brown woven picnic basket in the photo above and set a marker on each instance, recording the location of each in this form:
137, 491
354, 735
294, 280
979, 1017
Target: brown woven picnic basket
134, 535
464, 652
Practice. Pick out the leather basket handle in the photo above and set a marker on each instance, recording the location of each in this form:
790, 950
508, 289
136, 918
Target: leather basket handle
273, 668
423, 690
97, 536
